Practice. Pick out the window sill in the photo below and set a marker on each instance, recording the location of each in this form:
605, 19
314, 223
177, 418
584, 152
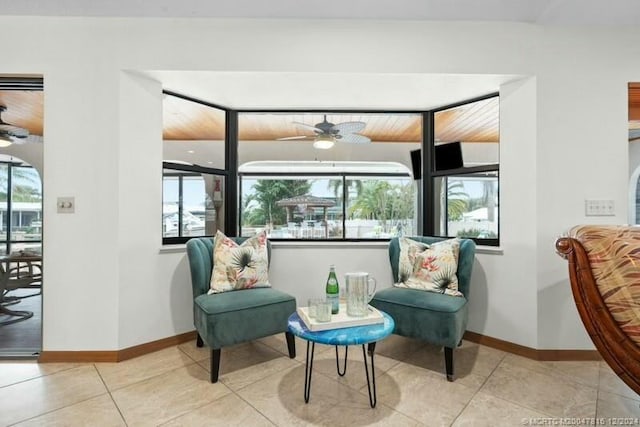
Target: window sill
489, 250
329, 244
173, 249
181, 248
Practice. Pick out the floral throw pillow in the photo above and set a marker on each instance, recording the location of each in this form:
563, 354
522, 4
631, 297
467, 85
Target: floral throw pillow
239, 266
429, 267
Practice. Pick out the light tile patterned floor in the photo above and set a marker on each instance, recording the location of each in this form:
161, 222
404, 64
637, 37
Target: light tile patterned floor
260, 386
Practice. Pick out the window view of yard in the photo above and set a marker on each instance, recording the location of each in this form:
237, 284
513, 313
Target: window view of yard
314, 207
471, 203
192, 212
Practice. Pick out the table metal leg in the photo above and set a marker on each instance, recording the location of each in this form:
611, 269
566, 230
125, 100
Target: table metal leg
371, 349
371, 379
344, 369
308, 369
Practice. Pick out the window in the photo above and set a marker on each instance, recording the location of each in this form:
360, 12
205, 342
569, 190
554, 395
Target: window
338, 205
379, 207
20, 209
194, 174
192, 203
193, 132
464, 185
316, 175
470, 203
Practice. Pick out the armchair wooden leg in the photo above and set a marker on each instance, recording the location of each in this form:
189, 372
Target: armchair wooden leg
215, 364
291, 344
199, 342
448, 361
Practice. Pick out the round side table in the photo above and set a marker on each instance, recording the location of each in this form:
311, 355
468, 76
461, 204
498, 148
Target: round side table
355, 335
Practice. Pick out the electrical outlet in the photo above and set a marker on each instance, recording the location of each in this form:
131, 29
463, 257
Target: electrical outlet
599, 207
66, 204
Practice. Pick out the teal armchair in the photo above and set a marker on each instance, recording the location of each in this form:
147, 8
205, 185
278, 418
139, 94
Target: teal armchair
228, 318
432, 317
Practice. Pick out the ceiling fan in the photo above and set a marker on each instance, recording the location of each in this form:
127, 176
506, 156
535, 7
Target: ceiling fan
10, 134
327, 133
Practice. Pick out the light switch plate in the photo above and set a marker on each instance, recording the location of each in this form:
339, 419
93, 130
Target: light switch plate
599, 207
66, 204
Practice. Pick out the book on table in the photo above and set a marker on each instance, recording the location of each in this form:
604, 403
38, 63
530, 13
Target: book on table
340, 320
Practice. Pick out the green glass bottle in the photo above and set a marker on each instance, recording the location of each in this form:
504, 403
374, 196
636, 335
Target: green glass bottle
333, 290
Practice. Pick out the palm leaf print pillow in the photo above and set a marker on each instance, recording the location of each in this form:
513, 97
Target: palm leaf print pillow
242, 266
429, 267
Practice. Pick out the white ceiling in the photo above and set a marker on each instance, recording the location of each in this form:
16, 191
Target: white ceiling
611, 12
256, 90
340, 90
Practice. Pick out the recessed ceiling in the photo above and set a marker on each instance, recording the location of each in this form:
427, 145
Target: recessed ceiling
331, 91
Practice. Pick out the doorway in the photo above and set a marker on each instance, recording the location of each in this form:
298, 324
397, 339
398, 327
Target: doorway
21, 221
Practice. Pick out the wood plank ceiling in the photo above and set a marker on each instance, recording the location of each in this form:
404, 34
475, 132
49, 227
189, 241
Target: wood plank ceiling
187, 120
634, 105
476, 122
25, 108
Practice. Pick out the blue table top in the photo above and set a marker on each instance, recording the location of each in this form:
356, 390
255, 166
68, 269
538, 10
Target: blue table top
343, 336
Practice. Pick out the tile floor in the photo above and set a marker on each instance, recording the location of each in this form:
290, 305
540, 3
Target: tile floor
260, 386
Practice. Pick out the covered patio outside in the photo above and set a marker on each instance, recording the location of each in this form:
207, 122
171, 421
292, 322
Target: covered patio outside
309, 229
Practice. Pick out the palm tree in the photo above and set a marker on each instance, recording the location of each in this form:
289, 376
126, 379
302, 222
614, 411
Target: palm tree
489, 199
24, 184
457, 200
336, 186
268, 192
373, 203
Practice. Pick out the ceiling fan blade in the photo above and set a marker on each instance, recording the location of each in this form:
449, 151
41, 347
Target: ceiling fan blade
349, 127
12, 130
19, 140
9, 130
355, 138
306, 126
291, 138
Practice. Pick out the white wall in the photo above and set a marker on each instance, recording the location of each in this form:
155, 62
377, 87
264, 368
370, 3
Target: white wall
582, 153
506, 284
107, 287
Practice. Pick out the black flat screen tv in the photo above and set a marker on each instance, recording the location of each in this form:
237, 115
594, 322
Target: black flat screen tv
416, 163
448, 156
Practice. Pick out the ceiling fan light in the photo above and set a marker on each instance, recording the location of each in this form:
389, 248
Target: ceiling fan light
5, 141
324, 142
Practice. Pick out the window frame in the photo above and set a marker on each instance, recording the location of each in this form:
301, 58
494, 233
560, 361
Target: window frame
335, 175
186, 170
425, 218
230, 171
9, 242
429, 172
